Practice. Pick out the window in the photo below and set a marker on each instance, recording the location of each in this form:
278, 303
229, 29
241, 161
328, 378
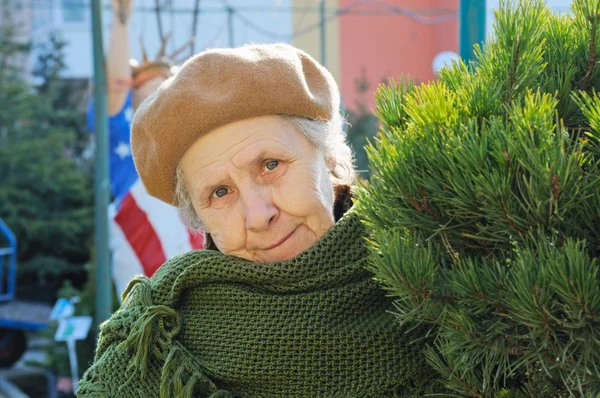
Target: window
42, 14
73, 10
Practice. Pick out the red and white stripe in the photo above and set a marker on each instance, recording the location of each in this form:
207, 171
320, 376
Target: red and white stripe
145, 233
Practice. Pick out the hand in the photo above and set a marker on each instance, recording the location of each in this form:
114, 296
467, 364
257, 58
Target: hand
122, 9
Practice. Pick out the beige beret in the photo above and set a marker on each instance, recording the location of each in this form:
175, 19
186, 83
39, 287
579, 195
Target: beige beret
217, 87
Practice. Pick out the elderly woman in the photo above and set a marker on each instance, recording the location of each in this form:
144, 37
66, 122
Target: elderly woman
248, 143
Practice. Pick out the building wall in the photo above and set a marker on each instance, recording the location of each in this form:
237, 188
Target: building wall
70, 19
373, 48
306, 15
379, 47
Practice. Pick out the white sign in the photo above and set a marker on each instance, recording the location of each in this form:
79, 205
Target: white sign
62, 309
73, 328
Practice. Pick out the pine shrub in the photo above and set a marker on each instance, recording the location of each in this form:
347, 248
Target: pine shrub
484, 207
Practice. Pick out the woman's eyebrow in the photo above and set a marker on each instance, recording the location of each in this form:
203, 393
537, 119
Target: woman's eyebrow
206, 188
263, 154
258, 159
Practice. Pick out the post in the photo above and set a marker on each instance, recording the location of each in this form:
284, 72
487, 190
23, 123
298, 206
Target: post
322, 12
230, 25
73, 362
195, 27
471, 26
101, 180
158, 18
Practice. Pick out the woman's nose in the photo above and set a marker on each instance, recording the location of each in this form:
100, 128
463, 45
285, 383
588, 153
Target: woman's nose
260, 211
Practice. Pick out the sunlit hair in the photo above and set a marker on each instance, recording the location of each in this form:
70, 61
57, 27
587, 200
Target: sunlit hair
327, 136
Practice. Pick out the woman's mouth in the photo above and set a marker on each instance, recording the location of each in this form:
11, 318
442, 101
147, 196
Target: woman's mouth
282, 241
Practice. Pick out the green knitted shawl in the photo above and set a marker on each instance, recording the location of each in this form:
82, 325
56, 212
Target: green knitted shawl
211, 325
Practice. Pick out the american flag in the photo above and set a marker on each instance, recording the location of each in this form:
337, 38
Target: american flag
144, 232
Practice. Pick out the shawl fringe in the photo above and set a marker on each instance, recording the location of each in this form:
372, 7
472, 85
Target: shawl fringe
180, 378
152, 335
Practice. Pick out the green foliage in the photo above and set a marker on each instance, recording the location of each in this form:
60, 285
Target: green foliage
390, 100
484, 207
45, 184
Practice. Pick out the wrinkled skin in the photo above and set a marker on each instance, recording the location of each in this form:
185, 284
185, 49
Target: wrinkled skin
262, 190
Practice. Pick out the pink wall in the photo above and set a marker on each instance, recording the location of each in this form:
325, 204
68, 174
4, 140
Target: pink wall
387, 46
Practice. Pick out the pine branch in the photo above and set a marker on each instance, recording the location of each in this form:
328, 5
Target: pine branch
514, 351
453, 254
453, 380
593, 57
508, 219
481, 164
464, 385
441, 299
425, 294
512, 72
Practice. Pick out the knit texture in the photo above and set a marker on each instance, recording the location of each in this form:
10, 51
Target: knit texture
211, 325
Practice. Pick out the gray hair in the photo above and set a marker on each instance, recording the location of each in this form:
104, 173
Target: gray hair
327, 136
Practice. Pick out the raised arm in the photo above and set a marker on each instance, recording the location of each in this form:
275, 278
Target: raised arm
117, 58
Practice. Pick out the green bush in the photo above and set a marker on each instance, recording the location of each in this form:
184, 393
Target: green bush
484, 207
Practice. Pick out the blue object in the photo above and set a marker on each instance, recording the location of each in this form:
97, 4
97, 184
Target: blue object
23, 325
62, 309
472, 27
8, 270
15, 314
122, 170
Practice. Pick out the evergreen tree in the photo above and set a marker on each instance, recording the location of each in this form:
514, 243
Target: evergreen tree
46, 191
484, 207
13, 90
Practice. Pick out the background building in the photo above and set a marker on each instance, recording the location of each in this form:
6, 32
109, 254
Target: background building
371, 41
218, 24
366, 42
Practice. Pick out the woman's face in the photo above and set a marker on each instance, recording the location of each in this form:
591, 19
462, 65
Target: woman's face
262, 190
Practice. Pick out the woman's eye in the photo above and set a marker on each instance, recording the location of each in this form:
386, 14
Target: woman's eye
270, 165
220, 192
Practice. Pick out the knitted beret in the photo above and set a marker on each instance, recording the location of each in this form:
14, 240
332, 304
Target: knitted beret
215, 88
